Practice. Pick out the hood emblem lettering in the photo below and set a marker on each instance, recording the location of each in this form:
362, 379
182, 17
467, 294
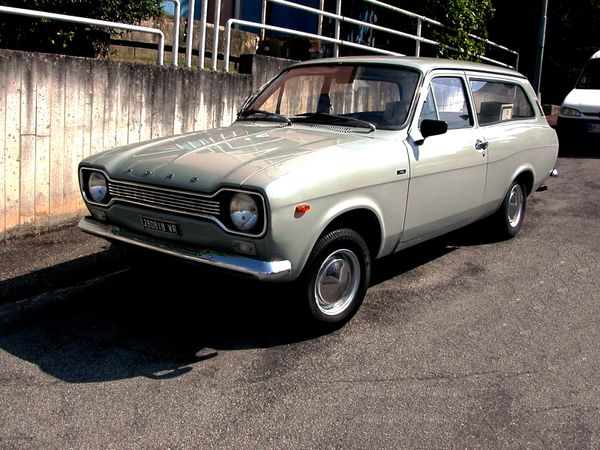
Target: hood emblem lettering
147, 172
170, 175
193, 180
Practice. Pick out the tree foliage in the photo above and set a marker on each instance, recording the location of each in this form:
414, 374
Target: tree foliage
23, 33
463, 19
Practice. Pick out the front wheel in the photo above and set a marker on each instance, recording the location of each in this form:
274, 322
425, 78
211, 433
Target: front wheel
509, 217
336, 277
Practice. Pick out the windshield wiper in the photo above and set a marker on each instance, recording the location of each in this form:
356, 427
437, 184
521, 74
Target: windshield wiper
334, 119
259, 114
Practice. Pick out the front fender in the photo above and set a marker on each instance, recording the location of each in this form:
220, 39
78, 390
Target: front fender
293, 236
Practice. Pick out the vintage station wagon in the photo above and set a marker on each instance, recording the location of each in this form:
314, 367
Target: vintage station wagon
332, 164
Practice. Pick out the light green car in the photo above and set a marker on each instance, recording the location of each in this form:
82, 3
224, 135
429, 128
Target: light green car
334, 163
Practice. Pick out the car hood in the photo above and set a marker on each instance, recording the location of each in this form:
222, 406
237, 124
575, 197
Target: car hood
584, 100
233, 155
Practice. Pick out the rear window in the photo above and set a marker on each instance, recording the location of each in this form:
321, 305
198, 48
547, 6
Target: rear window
497, 101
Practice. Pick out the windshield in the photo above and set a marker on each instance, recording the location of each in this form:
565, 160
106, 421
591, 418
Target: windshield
363, 96
590, 77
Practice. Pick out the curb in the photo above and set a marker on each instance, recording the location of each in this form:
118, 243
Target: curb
28, 307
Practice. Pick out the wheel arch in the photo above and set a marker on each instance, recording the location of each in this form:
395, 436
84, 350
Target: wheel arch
527, 177
362, 220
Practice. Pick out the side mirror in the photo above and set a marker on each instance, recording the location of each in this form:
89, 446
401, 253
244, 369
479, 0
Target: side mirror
433, 127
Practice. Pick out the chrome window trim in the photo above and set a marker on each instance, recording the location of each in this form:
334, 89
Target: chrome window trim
207, 197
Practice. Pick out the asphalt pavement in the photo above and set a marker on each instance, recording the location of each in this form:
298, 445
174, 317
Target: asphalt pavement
38, 270
461, 342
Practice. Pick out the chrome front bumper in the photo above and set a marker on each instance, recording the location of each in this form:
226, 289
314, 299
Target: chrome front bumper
261, 270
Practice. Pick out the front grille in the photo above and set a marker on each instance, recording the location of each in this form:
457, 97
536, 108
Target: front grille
214, 207
175, 201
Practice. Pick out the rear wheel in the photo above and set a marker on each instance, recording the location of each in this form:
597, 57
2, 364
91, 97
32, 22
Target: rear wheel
336, 277
509, 217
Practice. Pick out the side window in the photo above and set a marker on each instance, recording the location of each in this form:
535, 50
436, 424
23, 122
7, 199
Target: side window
447, 101
497, 101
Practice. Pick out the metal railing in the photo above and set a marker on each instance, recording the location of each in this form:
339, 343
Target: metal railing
424, 19
246, 23
93, 22
190, 33
262, 26
339, 19
176, 20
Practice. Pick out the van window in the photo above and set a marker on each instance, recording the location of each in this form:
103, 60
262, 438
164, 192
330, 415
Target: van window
497, 101
590, 76
447, 101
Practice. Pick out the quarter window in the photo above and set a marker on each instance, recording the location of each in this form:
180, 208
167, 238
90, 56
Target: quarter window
447, 101
496, 101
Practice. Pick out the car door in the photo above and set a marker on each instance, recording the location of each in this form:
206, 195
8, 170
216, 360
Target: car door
507, 118
448, 171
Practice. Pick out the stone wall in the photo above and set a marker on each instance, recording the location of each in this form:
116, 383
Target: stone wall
56, 110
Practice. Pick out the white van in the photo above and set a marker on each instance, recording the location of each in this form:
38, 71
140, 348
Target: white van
580, 111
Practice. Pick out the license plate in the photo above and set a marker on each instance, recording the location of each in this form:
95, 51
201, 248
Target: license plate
162, 226
594, 127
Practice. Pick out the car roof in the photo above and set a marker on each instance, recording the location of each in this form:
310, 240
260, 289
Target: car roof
421, 64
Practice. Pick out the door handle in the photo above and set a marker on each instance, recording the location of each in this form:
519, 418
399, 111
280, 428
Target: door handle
481, 145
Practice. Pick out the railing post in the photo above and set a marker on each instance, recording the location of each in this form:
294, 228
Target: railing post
202, 48
217, 19
338, 11
418, 43
263, 19
190, 34
176, 21
320, 22
227, 45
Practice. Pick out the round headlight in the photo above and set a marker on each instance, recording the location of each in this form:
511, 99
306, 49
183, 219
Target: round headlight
243, 212
97, 187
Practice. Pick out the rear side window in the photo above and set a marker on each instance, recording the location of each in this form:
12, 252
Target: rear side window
497, 101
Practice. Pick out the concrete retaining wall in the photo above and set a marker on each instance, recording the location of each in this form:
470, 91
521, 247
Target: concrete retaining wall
56, 110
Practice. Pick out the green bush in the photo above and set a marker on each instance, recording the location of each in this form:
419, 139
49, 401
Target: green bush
43, 35
463, 17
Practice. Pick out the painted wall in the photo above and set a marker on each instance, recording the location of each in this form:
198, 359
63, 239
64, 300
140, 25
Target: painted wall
56, 110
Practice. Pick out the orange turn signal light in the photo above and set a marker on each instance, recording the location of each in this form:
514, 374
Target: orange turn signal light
303, 208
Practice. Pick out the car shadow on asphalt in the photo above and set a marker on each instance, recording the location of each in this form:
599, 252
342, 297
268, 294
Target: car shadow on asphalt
61, 276
161, 319
413, 257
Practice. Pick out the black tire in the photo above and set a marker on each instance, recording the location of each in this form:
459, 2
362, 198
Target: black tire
509, 218
340, 255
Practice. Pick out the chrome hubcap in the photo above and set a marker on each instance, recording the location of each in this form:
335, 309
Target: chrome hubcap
515, 205
337, 282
